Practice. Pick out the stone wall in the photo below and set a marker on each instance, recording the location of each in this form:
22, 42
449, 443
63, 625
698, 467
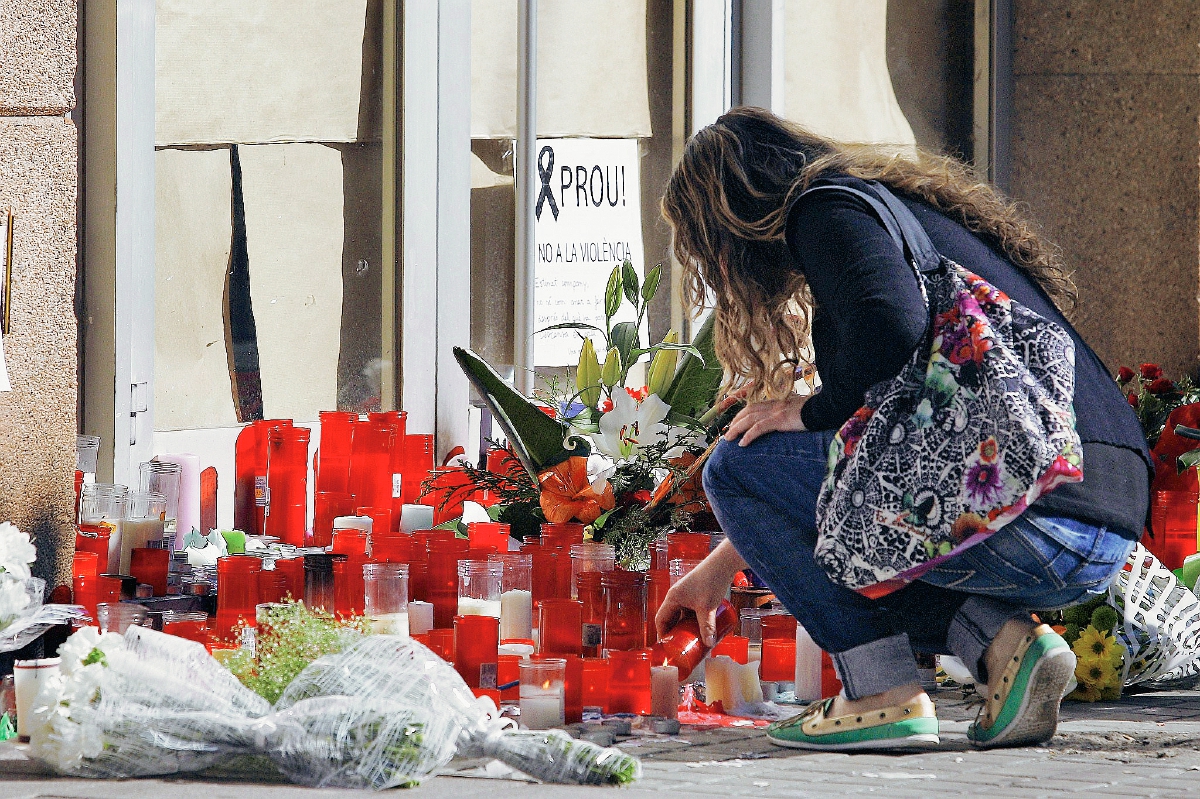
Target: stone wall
1106, 146
38, 179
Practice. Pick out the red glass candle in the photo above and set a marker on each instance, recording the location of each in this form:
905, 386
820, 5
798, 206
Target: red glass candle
596, 674
333, 454
488, 534
418, 461
573, 690
250, 474
658, 582
94, 538
449, 487
778, 659
108, 588
86, 592
371, 463
193, 626
441, 642
476, 639
272, 586
149, 566
287, 484
508, 672
85, 564
381, 518
629, 685
779, 625
327, 506
399, 458
442, 581
624, 610
738, 648
237, 593
349, 589
688, 546
391, 547
545, 570
1173, 521
351, 541
292, 570
418, 580
591, 594
566, 534
560, 627
682, 647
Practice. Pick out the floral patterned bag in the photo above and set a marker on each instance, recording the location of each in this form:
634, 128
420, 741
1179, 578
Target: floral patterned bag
977, 426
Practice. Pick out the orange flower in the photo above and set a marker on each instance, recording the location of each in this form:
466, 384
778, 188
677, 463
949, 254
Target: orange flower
567, 494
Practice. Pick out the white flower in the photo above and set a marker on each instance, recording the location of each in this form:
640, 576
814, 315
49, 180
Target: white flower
16, 553
631, 425
14, 598
79, 646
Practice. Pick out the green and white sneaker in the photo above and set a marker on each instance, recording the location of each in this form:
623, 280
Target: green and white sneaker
902, 726
1023, 709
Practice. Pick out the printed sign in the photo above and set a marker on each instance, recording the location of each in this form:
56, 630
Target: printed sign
589, 220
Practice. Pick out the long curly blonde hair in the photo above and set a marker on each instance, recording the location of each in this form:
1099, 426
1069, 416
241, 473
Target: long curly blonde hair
727, 203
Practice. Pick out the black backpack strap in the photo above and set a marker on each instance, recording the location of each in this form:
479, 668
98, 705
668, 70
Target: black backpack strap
910, 238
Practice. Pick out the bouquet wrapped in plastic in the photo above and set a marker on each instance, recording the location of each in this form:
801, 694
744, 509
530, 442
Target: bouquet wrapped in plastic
1160, 624
383, 713
23, 617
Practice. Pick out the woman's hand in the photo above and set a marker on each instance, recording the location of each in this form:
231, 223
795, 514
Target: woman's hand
760, 418
701, 591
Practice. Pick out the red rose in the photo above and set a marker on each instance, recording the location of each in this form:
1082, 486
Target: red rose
1151, 371
1160, 385
1124, 374
1133, 401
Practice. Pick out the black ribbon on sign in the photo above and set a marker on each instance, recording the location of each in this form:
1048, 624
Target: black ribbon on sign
546, 172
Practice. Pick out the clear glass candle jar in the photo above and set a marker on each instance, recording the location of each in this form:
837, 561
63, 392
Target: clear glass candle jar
385, 587
318, 582
162, 477
516, 595
590, 557
543, 693
117, 617
624, 610
479, 584
143, 524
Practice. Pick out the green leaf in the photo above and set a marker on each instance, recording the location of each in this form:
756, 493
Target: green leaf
651, 285
629, 280
612, 293
691, 349
1187, 460
536, 439
625, 339
697, 379
570, 326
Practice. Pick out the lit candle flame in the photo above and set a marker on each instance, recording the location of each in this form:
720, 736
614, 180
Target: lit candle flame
546, 685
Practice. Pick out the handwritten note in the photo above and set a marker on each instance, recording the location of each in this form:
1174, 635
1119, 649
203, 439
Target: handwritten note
588, 212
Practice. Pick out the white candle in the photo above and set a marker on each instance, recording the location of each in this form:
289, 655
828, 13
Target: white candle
390, 624
416, 517
28, 678
137, 534
731, 683
420, 617
542, 708
664, 691
808, 667
516, 614
469, 606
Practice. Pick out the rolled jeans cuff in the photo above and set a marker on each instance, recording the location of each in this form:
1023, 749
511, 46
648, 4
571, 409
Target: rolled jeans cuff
974, 627
875, 667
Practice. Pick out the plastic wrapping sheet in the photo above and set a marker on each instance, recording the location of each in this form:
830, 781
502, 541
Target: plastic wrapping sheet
1160, 624
385, 712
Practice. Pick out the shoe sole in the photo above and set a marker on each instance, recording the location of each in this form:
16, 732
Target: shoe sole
908, 742
1037, 717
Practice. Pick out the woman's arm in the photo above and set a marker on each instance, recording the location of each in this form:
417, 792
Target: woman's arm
865, 293
701, 591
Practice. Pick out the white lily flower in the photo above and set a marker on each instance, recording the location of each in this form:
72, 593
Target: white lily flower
631, 425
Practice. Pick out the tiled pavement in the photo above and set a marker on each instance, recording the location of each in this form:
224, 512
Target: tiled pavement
1145, 745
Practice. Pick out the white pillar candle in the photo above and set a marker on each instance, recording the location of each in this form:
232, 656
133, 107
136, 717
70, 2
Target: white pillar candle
420, 617
28, 678
516, 614
137, 534
390, 624
542, 708
469, 606
808, 667
416, 517
664, 691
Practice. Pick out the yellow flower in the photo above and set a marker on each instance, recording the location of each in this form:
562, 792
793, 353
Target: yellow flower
1085, 693
1094, 646
1098, 674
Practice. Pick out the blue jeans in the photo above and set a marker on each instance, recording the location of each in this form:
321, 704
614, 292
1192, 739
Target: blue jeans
764, 496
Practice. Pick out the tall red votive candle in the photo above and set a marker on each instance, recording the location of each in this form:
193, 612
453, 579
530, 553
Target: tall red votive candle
736, 647
591, 594
287, 484
545, 570
566, 534
489, 534
86, 564
658, 582
560, 627
629, 685
476, 639
778, 659
573, 693
624, 610
237, 593
150, 566
441, 587
250, 474
85, 591
688, 546
348, 587
94, 538
596, 675
371, 463
779, 625
272, 586
399, 420
418, 461
391, 547
327, 506
292, 570
333, 455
